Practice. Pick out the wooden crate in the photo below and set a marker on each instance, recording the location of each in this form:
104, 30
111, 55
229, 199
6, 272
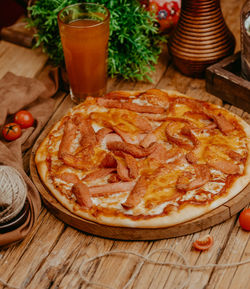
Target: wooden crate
224, 80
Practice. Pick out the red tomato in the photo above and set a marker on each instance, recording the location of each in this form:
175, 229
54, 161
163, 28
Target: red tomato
244, 219
11, 131
203, 243
24, 118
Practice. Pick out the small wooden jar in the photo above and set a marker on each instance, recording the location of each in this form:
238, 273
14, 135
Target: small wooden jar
201, 37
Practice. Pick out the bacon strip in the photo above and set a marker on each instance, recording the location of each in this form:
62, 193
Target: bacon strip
81, 192
97, 174
109, 189
202, 177
110, 103
224, 166
136, 194
88, 137
134, 150
155, 117
114, 178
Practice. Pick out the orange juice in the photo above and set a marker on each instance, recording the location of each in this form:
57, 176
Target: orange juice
85, 44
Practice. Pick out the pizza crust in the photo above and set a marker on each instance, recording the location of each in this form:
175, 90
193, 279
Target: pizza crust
184, 214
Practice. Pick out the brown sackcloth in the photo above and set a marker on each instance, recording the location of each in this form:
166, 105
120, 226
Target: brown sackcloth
17, 92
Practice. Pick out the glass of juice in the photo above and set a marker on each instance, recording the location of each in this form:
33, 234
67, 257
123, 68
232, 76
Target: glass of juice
84, 31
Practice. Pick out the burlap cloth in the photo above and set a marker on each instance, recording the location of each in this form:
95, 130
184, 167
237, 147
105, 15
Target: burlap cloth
17, 93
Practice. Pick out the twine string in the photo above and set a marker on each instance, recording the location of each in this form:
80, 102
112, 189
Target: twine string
145, 259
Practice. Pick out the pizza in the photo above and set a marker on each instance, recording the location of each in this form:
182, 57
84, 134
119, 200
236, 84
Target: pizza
145, 159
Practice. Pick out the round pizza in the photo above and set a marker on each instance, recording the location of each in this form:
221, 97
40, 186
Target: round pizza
145, 159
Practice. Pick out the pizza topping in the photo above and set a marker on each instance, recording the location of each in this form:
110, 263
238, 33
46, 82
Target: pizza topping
114, 178
109, 189
155, 117
134, 150
132, 166
98, 174
122, 171
161, 154
202, 173
225, 166
223, 124
81, 192
186, 131
121, 94
127, 137
136, 194
83, 163
235, 156
67, 138
143, 123
148, 140
110, 103
100, 135
172, 139
68, 177
203, 243
108, 161
88, 137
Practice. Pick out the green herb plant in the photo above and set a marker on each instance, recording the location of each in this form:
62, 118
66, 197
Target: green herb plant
134, 43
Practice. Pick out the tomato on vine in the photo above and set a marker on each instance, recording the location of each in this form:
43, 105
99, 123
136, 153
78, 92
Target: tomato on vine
11, 131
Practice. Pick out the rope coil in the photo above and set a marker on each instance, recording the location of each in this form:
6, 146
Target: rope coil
13, 192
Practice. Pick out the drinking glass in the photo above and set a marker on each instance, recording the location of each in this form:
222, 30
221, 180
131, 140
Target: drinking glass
84, 32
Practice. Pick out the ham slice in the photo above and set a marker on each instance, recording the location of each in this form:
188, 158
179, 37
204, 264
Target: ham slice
81, 192
68, 177
224, 166
77, 163
134, 150
224, 125
132, 166
108, 161
110, 103
148, 140
121, 94
143, 123
68, 137
127, 137
109, 189
100, 135
136, 194
202, 173
172, 139
122, 171
98, 174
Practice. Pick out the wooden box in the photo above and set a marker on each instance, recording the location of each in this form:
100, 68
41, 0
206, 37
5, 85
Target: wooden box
224, 80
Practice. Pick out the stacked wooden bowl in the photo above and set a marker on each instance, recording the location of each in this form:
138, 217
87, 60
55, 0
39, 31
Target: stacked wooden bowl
201, 37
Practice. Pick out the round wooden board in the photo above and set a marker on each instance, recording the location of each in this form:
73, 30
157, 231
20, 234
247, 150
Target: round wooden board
210, 219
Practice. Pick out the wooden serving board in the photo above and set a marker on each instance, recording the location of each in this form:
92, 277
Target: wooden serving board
210, 219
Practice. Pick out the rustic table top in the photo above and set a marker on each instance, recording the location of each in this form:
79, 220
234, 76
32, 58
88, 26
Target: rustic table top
51, 255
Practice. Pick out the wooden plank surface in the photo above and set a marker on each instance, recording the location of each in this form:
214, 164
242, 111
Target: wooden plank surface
51, 255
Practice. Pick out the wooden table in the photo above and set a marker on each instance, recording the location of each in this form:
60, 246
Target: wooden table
52, 253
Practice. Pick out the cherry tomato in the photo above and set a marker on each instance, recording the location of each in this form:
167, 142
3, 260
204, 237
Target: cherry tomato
244, 219
11, 131
24, 118
203, 243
